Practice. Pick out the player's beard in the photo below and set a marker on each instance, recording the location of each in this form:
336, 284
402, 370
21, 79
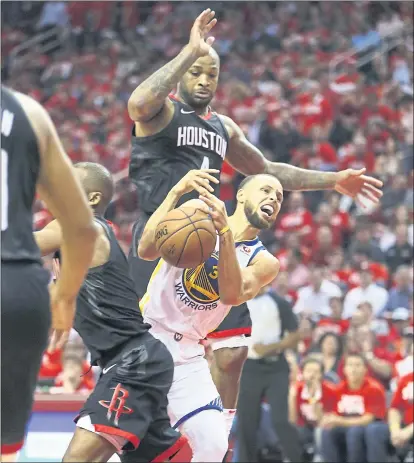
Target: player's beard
193, 102
254, 218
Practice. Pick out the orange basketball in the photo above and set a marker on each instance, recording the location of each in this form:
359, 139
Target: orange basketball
186, 237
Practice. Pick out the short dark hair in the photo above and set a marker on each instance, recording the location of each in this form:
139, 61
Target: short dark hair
249, 178
98, 178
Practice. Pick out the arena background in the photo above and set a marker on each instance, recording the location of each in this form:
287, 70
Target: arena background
322, 85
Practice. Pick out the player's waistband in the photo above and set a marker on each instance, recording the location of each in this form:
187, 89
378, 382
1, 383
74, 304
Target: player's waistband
158, 328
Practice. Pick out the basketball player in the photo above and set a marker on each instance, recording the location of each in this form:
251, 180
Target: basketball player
128, 407
174, 134
184, 305
32, 155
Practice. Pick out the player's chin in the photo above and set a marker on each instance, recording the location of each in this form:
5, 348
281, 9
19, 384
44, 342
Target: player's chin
202, 99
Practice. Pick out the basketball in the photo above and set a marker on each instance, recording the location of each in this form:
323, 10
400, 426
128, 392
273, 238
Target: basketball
186, 237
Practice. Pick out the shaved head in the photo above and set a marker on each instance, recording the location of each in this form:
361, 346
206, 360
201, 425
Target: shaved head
199, 84
98, 184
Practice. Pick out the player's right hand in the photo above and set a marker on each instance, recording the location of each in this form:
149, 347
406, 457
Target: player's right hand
198, 180
202, 26
63, 313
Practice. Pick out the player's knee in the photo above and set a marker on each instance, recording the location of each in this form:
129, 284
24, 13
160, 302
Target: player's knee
230, 359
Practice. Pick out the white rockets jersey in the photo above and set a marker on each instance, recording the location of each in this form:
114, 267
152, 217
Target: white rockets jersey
187, 301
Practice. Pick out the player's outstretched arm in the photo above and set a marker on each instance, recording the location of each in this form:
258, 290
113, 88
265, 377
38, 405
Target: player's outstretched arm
198, 180
237, 285
49, 239
150, 98
249, 160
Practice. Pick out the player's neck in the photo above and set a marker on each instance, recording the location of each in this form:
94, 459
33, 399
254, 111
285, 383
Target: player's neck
242, 228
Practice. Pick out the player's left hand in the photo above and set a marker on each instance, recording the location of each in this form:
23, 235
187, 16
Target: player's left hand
217, 211
354, 183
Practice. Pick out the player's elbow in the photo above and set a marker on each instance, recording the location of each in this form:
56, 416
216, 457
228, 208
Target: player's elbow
138, 109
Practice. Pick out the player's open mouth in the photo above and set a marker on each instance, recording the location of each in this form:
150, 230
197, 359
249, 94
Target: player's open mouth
268, 210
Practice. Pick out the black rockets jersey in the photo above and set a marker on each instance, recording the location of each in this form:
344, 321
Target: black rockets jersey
107, 312
188, 142
20, 167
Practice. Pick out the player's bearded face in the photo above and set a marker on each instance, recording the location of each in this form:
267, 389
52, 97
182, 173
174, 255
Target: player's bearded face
254, 216
195, 97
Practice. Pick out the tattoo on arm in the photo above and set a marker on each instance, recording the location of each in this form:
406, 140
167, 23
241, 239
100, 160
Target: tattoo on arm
149, 97
293, 178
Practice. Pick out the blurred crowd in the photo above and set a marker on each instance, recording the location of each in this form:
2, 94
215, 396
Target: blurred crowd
321, 85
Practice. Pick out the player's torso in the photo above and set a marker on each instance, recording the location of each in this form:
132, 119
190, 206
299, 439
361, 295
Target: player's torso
107, 306
20, 166
187, 301
188, 142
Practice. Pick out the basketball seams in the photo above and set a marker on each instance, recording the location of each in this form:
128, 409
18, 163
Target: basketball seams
179, 229
198, 236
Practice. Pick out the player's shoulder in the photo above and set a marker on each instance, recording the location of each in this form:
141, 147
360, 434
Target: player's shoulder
38, 117
267, 261
231, 127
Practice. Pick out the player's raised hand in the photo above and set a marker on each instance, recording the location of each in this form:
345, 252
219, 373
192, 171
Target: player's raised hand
218, 211
202, 26
198, 180
355, 184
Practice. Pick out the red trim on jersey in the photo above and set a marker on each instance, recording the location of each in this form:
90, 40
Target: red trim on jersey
228, 333
206, 117
8, 449
118, 432
179, 444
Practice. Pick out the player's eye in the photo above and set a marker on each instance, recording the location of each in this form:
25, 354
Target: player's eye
195, 73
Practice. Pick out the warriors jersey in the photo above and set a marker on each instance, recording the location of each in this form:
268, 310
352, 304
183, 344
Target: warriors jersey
187, 301
160, 161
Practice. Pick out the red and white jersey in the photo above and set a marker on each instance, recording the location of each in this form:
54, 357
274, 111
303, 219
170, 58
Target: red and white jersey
403, 398
305, 408
186, 302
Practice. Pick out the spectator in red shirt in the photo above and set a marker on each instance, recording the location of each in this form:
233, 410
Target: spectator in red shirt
401, 414
334, 323
323, 246
71, 380
298, 219
357, 420
308, 399
325, 218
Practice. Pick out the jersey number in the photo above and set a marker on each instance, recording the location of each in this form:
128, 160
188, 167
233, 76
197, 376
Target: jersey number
206, 163
4, 190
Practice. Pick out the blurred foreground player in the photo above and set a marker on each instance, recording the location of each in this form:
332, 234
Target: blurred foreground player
32, 155
234, 273
128, 407
174, 134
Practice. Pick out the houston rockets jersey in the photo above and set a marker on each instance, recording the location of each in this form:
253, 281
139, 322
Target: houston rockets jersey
187, 301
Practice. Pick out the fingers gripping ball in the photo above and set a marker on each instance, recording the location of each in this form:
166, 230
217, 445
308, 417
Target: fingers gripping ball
186, 237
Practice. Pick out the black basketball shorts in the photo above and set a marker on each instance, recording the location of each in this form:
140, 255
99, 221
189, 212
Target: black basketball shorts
25, 322
129, 403
236, 323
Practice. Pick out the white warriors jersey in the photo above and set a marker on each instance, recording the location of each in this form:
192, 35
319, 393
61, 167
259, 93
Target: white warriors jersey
187, 301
